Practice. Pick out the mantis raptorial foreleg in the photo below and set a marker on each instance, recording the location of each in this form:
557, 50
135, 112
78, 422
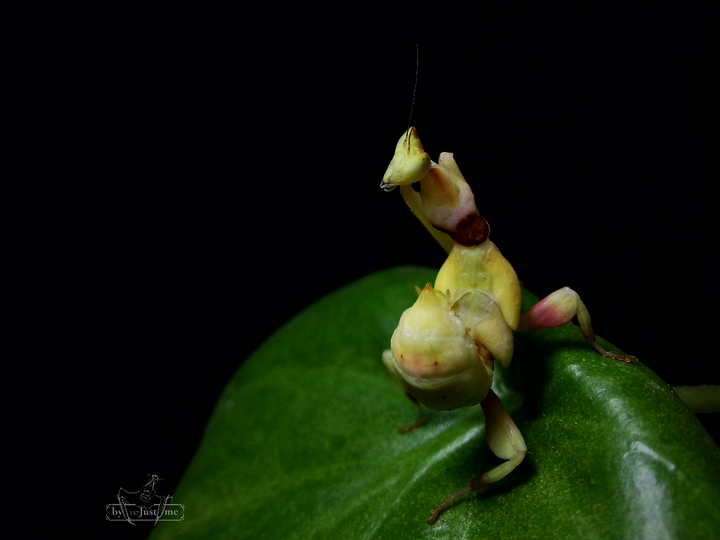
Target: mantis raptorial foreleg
413, 200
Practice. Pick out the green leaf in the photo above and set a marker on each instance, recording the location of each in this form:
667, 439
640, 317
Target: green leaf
303, 442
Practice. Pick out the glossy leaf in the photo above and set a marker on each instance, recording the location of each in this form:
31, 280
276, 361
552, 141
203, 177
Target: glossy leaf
303, 442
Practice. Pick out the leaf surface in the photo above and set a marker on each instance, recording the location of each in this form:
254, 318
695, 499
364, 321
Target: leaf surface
303, 441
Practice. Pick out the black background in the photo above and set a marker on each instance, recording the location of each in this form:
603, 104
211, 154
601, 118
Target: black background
237, 182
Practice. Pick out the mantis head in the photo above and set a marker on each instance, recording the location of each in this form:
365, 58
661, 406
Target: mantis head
409, 164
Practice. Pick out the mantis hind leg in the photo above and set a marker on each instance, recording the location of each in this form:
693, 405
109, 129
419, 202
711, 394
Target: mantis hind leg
505, 441
421, 417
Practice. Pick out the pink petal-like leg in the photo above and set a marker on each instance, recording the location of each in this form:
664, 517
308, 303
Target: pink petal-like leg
559, 308
506, 442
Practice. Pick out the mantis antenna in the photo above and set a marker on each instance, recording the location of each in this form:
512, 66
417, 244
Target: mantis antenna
417, 70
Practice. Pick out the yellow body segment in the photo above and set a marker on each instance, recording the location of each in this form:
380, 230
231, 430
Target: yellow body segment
482, 269
433, 356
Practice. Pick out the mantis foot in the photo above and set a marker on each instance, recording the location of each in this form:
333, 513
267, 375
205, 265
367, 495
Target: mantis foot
411, 427
443, 505
630, 359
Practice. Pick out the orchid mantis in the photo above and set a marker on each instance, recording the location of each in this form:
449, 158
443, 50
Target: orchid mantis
445, 346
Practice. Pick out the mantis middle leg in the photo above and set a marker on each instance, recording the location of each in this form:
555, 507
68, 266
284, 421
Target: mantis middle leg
559, 308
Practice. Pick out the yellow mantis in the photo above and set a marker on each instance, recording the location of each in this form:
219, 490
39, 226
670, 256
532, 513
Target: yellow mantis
445, 346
